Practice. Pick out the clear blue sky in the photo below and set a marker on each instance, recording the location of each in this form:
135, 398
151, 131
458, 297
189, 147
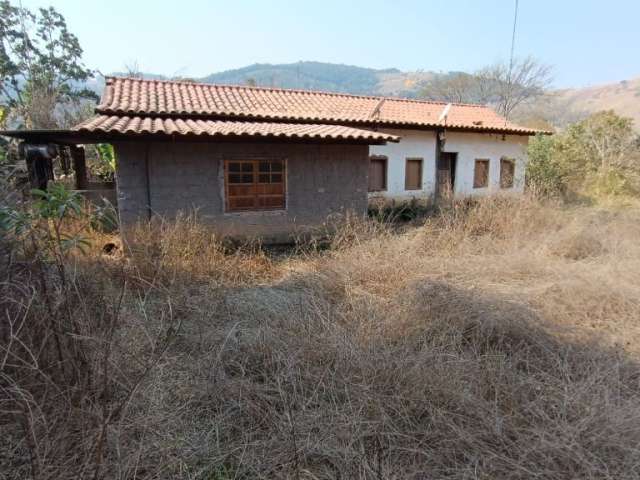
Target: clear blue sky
587, 42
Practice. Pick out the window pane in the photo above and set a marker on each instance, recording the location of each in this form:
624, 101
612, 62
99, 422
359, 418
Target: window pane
276, 178
234, 167
234, 178
247, 178
263, 178
276, 166
247, 167
264, 167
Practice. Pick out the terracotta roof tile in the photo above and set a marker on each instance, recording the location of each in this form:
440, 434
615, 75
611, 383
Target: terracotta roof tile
128, 96
136, 125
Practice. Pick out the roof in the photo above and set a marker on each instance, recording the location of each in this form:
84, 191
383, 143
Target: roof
221, 128
138, 97
109, 127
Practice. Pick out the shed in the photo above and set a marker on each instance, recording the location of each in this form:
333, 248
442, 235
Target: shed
245, 177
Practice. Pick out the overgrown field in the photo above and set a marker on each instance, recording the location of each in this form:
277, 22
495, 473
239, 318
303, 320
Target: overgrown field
490, 341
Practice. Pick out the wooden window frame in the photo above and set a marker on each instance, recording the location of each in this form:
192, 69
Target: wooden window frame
511, 183
255, 173
476, 183
406, 170
384, 159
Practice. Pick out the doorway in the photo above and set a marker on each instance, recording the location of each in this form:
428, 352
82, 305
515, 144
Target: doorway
446, 174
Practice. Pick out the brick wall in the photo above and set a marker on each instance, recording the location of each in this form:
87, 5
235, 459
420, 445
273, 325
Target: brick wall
321, 180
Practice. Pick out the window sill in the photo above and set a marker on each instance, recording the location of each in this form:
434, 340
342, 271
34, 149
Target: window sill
255, 213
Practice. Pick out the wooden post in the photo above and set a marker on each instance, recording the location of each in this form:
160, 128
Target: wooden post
80, 167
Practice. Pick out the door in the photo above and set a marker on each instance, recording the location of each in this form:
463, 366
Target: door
446, 174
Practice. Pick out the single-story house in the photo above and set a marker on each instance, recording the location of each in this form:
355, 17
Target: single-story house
271, 162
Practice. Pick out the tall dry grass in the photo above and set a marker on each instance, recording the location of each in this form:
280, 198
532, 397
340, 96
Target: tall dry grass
496, 340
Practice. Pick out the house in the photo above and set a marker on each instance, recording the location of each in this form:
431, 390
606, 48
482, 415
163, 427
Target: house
270, 162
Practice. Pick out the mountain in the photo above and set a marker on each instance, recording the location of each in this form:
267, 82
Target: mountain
622, 97
324, 76
329, 77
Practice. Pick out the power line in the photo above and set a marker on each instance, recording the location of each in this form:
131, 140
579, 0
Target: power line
513, 44
513, 38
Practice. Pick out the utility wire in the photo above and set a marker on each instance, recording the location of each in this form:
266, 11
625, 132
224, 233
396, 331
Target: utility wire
513, 44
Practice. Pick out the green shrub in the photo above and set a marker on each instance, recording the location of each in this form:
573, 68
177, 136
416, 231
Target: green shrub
546, 176
598, 156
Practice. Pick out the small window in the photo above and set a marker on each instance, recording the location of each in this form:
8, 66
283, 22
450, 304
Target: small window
413, 174
377, 174
507, 172
481, 174
255, 184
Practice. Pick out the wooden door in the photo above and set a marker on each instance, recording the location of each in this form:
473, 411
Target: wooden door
445, 174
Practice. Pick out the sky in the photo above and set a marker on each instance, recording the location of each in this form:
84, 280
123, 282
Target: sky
587, 42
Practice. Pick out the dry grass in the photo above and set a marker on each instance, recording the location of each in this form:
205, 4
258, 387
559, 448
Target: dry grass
498, 340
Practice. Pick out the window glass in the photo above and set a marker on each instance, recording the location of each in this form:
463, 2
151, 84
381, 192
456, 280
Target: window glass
251, 185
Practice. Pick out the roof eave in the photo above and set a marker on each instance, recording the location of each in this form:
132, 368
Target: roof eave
75, 137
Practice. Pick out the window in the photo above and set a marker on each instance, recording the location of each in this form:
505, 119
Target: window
254, 184
481, 174
507, 171
413, 174
377, 173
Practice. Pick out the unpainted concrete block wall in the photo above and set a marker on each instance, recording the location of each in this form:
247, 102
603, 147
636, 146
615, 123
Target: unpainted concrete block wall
164, 178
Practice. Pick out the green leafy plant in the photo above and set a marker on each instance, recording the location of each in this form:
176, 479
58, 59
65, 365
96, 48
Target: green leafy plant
546, 176
105, 166
41, 226
40, 64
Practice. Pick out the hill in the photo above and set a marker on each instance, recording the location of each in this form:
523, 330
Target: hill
622, 97
311, 76
328, 77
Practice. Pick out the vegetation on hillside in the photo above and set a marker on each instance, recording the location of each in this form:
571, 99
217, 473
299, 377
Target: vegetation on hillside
305, 75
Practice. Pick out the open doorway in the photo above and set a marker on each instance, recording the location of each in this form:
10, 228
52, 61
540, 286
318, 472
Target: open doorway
446, 174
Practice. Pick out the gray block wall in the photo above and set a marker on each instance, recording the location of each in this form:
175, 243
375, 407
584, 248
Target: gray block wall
184, 176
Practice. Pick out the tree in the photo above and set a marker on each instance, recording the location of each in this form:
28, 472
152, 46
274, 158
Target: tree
40, 64
602, 151
456, 87
546, 173
598, 156
132, 69
504, 86
509, 86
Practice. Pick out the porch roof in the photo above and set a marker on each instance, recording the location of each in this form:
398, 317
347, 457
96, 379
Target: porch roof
104, 128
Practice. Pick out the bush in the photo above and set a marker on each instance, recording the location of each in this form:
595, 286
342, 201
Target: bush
546, 176
400, 211
598, 156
